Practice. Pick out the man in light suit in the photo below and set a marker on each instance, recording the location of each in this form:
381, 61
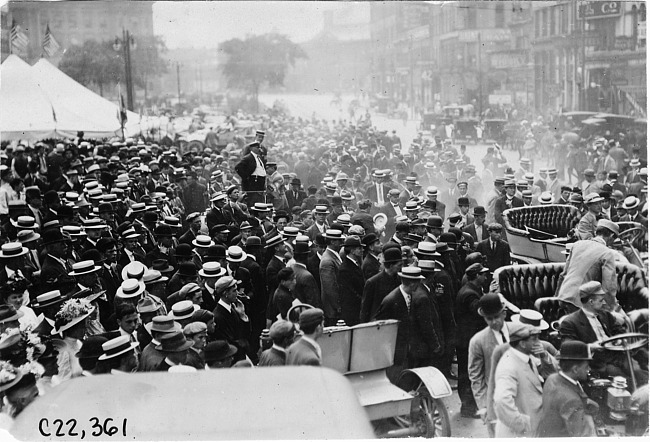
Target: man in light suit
306, 351
586, 228
518, 384
329, 276
591, 260
481, 347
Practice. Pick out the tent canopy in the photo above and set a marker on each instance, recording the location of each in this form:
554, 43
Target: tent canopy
41, 101
26, 111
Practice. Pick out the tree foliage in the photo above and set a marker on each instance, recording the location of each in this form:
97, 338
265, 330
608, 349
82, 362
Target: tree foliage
99, 64
93, 63
259, 60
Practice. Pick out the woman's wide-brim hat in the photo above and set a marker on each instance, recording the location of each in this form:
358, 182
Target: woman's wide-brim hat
72, 323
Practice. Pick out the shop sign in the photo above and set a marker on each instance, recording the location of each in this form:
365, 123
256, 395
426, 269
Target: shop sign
599, 9
472, 35
507, 60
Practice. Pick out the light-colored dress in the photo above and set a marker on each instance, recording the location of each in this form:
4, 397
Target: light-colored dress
66, 360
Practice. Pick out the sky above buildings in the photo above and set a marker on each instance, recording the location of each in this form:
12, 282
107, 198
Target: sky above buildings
206, 24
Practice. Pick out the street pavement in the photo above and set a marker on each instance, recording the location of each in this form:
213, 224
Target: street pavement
320, 105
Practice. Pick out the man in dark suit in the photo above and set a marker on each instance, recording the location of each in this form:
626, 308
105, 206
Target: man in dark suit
295, 196
566, 409
391, 209
56, 269
320, 222
217, 214
592, 324
276, 263
477, 228
329, 276
351, 280
507, 201
282, 334
259, 303
252, 170
313, 262
132, 251
404, 303
469, 323
371, 265
495, 250
306, 290
283, 296
306, 351
228, 316
194, 221
379, 286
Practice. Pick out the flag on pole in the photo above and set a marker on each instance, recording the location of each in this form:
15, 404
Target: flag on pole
50, 45
19, 40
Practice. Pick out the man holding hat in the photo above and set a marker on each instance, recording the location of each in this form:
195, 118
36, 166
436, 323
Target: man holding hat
282, 334
306, 351
566, 410
592, 324
591, 260
586, 228
517, 385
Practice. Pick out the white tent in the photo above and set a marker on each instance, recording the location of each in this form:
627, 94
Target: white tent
66, 93
25, 110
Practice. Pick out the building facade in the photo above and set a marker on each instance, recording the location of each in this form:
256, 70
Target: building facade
590, 56
73, 22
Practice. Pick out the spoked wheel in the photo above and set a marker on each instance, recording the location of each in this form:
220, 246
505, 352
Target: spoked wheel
429, 416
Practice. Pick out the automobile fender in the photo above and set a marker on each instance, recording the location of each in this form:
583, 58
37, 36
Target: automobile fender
432, 378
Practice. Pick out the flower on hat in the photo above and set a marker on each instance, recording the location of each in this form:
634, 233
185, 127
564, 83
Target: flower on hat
7, 372
71, 309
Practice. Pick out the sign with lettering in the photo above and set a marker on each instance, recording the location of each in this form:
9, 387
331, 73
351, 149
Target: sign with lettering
494, 34
507, 60
599, 9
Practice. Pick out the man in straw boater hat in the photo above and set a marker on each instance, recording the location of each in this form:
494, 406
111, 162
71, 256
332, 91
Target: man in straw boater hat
306, 351
566, 409
159, 326
13, 257
119, 355
404, 304
328, 270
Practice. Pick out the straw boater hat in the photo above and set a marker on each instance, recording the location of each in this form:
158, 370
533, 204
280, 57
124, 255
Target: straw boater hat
13, 250
530, 317
212, 269
235, 254
84, 268
183, 310
116, 347
130, 288
25, 223
47, 299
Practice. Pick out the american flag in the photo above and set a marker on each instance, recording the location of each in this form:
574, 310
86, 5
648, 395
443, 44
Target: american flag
19, 40
121, 113
50, 45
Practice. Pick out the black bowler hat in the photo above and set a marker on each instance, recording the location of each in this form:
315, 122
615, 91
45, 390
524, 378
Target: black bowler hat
574, 351
490, 304
51, 236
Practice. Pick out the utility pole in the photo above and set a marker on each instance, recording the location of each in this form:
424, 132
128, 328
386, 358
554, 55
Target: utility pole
480, 78
178, 81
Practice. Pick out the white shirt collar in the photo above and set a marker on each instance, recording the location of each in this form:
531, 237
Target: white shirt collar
504, 330
225, 305
280, 349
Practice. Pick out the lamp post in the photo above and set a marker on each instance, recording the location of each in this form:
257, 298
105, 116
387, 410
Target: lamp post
126, 44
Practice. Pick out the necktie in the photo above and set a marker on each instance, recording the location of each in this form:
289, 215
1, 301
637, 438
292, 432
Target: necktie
600, 331
534, 368
494, 246
408, 302
504, 340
